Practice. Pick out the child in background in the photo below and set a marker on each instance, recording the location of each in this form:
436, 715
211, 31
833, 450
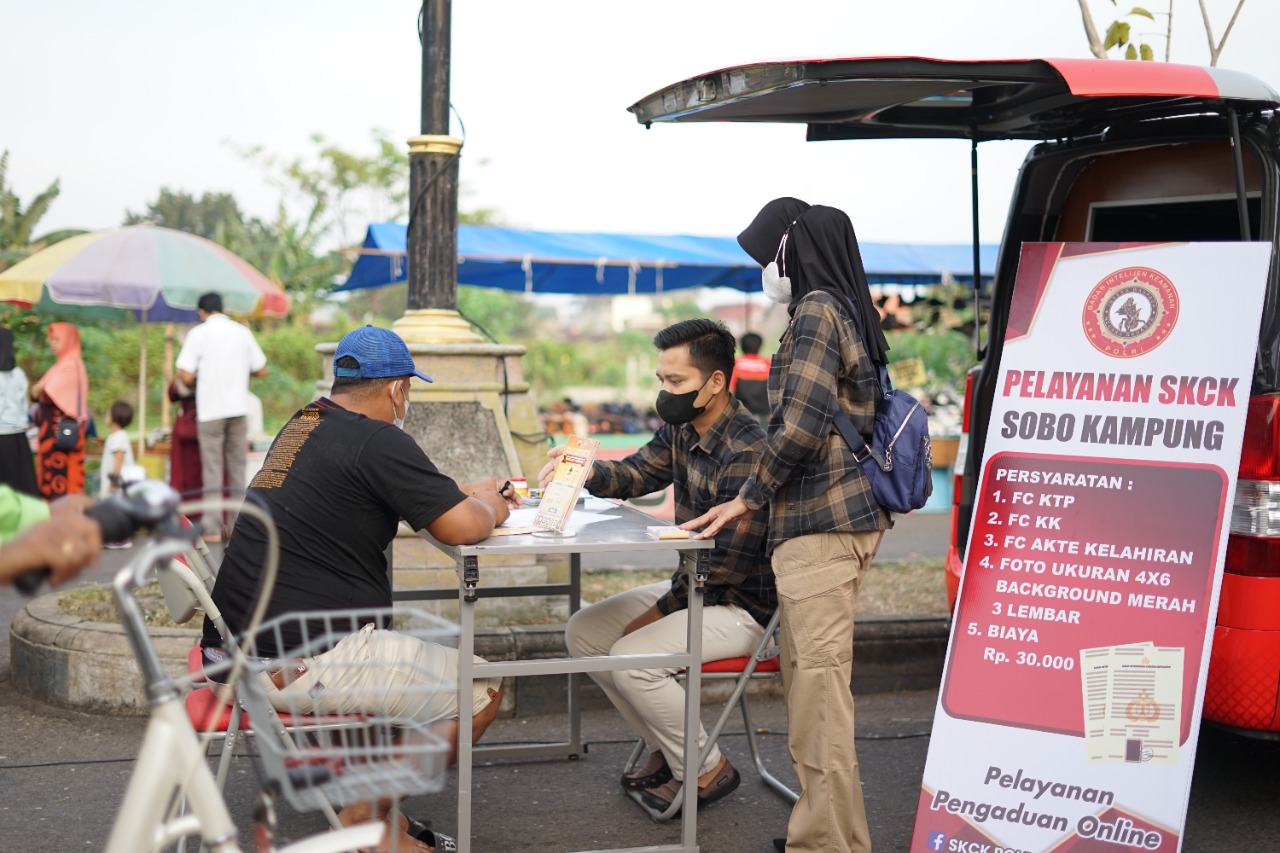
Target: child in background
116, 452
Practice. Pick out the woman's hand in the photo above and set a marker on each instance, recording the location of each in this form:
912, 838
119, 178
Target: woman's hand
549, 470
717, 517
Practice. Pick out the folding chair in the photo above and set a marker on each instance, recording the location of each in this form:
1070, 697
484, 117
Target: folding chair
762, 663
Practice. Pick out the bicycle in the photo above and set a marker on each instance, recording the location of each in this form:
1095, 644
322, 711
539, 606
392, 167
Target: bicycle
172, 793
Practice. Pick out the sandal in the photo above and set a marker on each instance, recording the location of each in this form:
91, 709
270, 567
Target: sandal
440, 842
724, 783
647, 780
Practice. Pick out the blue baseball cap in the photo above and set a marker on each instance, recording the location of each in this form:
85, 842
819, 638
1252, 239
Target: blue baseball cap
381, 354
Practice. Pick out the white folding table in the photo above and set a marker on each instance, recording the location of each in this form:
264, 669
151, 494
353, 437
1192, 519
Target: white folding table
625, 533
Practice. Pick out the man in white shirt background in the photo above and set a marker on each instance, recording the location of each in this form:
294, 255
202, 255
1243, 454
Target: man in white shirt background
218, 357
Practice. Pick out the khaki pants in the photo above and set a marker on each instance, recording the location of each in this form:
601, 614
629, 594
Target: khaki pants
380, 673
651, 700
818, 578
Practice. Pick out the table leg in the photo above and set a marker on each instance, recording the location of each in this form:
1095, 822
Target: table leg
692, 703
575, 678
466, 677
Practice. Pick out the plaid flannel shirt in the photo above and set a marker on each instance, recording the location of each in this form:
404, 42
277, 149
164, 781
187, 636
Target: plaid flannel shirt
707, 470
807, 475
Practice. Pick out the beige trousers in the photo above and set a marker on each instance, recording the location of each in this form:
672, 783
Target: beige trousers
651, 700
818, 578
382, 673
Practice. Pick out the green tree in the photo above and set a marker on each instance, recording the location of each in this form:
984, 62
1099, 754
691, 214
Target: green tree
1120, 33
207, 216
507, 317
18, 223
336, 186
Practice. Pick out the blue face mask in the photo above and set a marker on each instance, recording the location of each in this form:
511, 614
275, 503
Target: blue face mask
679, 408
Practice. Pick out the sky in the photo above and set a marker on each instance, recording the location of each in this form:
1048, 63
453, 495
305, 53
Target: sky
117, 100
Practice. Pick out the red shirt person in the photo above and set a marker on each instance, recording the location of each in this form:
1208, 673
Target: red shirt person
750, 379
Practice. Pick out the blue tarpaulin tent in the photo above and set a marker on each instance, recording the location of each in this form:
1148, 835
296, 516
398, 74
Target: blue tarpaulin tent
602, 264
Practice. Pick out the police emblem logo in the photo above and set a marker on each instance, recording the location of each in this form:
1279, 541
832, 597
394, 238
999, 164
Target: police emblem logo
1130, 312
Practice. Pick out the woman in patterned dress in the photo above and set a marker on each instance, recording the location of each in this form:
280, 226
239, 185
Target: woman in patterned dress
63, 392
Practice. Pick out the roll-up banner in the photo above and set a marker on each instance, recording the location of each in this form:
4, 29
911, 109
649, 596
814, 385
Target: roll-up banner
1071, 698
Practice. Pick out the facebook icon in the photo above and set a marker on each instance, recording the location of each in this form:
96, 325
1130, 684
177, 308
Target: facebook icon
937, 840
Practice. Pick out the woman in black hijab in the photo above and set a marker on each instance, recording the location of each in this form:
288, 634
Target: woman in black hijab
824, 524
821, 253
17, 468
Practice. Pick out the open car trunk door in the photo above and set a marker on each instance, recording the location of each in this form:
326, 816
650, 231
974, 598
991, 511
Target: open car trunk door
919, 98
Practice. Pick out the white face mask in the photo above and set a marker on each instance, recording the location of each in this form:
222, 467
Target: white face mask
399, 421
777, 286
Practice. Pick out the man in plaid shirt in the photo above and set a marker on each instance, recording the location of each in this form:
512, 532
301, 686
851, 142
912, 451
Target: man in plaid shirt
707, 447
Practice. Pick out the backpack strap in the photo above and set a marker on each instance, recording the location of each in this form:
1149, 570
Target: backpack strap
857, 444
843, 424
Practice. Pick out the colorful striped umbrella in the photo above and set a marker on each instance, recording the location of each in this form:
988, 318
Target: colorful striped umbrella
157, 273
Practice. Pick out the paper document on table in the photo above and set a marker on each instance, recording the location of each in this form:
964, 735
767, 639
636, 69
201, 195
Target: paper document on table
523, 517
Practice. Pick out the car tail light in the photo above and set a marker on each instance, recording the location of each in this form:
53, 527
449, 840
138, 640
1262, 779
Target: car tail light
1253, 547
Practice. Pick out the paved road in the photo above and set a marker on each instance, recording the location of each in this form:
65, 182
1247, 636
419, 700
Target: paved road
62, 776
62, 773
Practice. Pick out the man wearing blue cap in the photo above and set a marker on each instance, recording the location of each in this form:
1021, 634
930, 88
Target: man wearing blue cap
337, 481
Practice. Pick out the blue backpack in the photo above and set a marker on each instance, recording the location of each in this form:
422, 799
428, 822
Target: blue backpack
899, 460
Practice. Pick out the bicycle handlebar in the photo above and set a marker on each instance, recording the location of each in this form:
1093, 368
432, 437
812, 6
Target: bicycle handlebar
145, 505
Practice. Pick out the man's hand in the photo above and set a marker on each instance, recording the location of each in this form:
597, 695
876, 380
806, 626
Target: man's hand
510, 495
549, 470
717, 517
65, 543
653, 614
488, 494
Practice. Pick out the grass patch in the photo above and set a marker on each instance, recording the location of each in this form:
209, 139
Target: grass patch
96, 604
916, 587
912, 587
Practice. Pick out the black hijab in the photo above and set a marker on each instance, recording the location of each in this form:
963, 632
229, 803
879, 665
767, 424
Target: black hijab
821, 254
760, 239
7, 360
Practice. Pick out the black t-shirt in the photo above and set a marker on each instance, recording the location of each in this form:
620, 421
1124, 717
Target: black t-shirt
754, 396
337, 484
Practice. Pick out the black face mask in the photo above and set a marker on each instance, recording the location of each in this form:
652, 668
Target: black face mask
679, 408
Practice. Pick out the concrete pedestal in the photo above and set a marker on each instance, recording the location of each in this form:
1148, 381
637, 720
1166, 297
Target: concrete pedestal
476, 419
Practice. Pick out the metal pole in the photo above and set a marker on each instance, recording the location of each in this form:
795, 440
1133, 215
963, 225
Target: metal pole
142, 387
167, 367
1237, 159
433, 175
977, 255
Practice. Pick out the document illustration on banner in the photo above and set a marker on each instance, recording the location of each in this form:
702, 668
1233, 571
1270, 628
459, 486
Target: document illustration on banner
1132, 702
1071, 697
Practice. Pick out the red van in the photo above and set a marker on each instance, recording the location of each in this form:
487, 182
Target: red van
1127, 151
